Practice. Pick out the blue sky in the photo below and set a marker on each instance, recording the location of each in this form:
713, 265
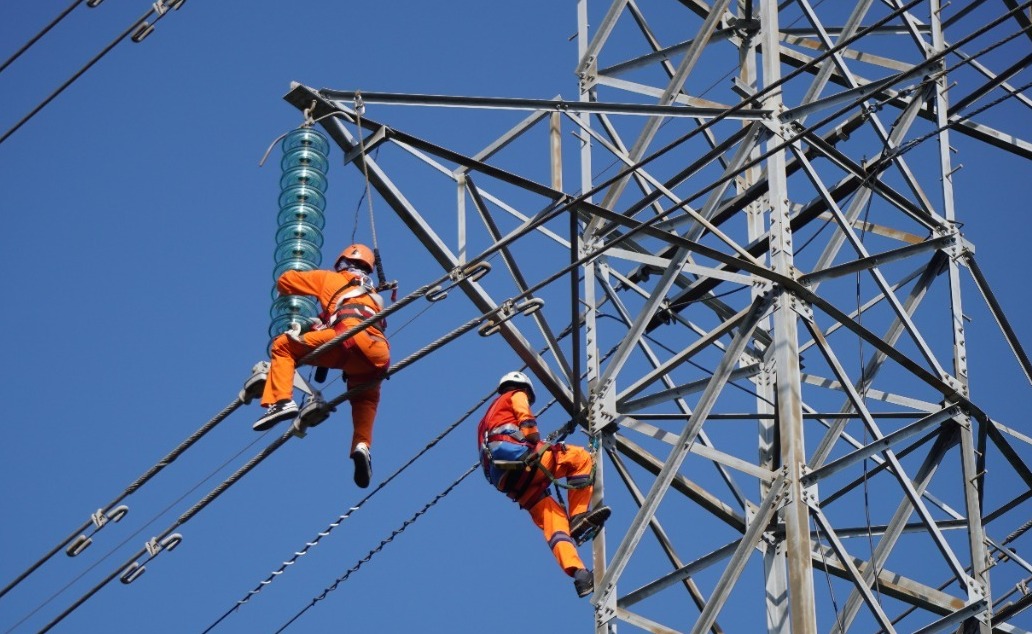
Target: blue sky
139, 231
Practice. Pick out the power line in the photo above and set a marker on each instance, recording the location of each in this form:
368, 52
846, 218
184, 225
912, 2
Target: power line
45, 30
325, 532
77, 541
139, 30
380, 546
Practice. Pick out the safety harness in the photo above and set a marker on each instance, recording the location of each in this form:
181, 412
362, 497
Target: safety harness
338, 310
518, 471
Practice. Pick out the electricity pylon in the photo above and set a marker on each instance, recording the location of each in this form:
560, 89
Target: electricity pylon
762, 264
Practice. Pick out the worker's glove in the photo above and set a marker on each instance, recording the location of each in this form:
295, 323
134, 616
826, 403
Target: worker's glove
317, 324
294, 332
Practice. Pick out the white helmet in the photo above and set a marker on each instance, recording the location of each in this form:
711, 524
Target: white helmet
516, 379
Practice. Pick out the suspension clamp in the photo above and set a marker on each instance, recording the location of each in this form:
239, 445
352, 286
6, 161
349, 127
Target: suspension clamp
255, 383
313, 412
132, 573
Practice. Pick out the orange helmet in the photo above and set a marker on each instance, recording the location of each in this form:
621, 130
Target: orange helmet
358, 254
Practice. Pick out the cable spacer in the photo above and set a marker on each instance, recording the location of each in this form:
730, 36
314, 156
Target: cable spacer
470, 273
116, 514
152, 546
507, 311
143, 31
476, 271
170, 542
132, 573
78, 545
493, 325
98, 518
436, 293
530, 306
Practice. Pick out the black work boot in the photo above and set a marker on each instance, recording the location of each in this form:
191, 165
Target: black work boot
278, 411
583, 582
363, 464
584, 526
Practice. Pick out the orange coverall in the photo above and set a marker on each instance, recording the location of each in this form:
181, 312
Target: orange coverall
571, 462
363, 357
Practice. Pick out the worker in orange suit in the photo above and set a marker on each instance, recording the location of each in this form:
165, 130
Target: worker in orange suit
348, 297
519, 464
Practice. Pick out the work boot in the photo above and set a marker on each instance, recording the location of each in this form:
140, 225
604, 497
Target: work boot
584, 526
277, 412
363, 465
583, 582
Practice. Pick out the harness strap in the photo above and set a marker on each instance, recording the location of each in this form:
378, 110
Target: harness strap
503, 437
359, 311
332, 304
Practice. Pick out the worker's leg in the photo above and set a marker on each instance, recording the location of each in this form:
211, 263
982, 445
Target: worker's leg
363, 411
285, 352
364, 362
574, 463
552, 520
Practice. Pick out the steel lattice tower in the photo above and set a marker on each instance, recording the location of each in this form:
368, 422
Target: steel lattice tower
763, 261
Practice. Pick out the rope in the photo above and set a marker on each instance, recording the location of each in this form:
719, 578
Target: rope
161, 464
381, 545
359, 107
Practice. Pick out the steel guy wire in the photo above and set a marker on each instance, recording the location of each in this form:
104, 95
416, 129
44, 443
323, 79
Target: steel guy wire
1021, 530
161, 7
398, 531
